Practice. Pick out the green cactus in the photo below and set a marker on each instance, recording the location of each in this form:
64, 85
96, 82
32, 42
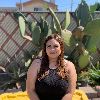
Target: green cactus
66, 35
57, 23
22, 28
44, 29
93, 30
53, 27
66, 21
22, 25
39, 30
89, 36
32, 25
82, 13
36, 35
84, 59
68, 42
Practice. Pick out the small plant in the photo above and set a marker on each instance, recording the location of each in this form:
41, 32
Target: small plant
94, 73
83, 78
15, 74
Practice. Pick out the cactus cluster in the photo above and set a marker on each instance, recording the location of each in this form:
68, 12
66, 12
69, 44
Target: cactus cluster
87, 34
42, 29
82, 14
39, 30
78, 47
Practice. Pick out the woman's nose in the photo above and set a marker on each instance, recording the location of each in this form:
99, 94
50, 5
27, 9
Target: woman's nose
52, 49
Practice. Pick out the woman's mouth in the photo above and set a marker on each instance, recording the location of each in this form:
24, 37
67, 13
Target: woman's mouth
52, 53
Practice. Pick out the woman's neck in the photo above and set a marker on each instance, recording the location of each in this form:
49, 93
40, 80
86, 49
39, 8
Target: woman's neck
53, 60
52, 63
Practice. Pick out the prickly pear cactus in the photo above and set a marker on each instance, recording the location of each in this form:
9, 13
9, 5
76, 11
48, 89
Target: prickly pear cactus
66, 21
66, 35
36, 35
82, 13
22, 25
53, 26
57, 23
93, 30
84, 59
44, 29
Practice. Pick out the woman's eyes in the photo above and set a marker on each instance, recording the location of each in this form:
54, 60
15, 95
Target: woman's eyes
55, 46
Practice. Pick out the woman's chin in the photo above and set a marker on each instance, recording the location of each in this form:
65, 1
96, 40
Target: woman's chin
53, 57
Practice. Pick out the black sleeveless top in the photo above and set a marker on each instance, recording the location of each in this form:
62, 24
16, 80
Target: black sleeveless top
51, 87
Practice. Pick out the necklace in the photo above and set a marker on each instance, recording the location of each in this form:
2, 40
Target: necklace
52, 66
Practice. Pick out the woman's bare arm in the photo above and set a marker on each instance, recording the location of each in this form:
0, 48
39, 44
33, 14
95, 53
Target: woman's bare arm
72, 81
31, 79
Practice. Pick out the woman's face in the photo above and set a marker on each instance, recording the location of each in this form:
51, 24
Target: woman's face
53, 49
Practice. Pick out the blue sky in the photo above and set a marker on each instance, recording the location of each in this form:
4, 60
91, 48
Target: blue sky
63, 5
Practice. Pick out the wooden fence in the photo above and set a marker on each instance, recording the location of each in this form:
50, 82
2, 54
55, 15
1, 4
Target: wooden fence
11, 43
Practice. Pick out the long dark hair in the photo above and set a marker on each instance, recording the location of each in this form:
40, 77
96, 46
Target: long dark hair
45, 61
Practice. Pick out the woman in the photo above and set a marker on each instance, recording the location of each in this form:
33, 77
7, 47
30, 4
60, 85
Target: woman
51, 77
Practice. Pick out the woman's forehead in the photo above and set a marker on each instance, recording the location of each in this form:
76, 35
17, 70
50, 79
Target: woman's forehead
52, 41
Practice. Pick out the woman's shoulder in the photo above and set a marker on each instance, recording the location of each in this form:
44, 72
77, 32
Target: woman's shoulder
37, 60
36, 63
68, 64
